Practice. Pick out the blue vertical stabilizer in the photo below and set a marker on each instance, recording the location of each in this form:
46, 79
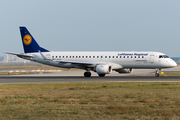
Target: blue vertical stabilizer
29, 43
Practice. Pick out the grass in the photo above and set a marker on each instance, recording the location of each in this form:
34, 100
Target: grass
91, 100
7, 68
171, 74
29, 66
13, 73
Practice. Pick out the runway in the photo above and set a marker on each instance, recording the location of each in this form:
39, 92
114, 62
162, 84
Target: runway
48, 79
138, 75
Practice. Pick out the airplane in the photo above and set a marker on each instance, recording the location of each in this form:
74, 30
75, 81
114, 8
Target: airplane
100, 62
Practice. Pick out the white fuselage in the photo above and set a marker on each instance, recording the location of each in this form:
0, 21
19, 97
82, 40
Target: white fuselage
118, 60
100, 62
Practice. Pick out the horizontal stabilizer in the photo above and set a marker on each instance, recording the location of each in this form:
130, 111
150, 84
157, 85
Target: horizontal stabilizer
20, 55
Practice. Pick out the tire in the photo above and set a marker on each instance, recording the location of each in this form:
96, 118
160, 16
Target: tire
157, 74
101, 75
87, 74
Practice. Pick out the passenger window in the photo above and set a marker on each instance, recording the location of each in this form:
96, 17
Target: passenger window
63, 56
86, 56
109, 56
134, 56
127, 56
76, 56
142, 56
105, 56
101, 56
52, 56
73, 56
138, 56
97, 56
82, 56
124, 56
131, 56
93, 56
56, 56
116, 56
69, 56
89, 56
79, 56
120, 56
66, 56
59, 56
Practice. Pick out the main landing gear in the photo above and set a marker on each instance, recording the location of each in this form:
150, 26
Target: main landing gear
101, 75
157, 72
87, 74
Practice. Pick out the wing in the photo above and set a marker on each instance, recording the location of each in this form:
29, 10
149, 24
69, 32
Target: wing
74, 62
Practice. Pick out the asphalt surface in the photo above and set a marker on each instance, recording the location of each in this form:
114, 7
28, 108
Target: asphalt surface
138, 75
47, 79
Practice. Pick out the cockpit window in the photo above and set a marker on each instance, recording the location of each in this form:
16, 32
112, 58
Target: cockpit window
163, 56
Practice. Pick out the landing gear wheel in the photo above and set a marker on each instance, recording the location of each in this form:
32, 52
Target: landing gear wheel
101, 75
157, 74
87, 74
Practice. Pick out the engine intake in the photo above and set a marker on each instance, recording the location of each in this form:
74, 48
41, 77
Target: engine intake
103, 69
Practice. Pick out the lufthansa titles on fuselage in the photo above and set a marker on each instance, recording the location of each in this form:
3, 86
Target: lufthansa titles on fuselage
131, 54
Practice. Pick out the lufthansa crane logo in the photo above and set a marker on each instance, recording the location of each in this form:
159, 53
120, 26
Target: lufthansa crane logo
27, 39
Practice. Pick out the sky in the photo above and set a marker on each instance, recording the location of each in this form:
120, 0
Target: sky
93, 25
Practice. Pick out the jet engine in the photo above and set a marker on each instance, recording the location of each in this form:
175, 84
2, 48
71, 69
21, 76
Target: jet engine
127, 70
103, 69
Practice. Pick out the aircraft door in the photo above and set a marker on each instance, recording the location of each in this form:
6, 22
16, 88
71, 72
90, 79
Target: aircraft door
151, 59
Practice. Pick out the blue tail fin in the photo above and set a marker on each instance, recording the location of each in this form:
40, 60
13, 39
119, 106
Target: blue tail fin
29, 43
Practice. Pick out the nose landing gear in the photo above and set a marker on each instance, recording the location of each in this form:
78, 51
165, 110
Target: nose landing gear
157, 72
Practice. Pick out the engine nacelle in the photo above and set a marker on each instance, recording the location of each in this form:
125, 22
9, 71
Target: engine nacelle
103, 69
127, 70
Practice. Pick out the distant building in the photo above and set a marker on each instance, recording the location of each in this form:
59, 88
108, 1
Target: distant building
1, 58
8, 58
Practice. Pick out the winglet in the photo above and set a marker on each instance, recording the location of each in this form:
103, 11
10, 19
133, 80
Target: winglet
43, 56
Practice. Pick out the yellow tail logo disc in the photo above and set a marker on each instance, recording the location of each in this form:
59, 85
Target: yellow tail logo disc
27, 39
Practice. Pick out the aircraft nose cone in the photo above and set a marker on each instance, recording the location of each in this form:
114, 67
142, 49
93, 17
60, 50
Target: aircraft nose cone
173, 63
